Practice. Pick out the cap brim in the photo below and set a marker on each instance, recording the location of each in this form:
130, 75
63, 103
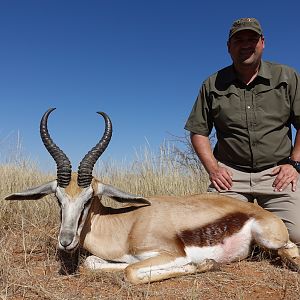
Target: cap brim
246, 28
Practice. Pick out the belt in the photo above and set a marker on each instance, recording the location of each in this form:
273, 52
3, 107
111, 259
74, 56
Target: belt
256, 170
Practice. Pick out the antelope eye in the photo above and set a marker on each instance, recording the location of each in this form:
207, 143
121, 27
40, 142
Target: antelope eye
86, 203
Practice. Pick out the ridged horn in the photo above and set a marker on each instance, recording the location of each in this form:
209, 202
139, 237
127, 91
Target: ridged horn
87, 164
64, 168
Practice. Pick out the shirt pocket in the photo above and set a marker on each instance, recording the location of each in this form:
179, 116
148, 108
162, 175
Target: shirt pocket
274, 104
228, 109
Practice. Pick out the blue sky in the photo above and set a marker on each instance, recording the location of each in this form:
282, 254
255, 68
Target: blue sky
142, 62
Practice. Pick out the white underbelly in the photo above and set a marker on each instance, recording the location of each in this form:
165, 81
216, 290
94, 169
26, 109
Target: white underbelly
231, 249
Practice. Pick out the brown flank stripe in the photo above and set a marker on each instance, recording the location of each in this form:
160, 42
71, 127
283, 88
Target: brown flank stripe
214, 233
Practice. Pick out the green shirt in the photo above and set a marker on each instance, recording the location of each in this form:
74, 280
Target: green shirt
252, 122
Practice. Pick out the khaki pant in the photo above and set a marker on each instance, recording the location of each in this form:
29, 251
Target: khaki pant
258, 186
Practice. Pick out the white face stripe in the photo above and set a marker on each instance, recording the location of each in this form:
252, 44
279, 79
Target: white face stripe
72, 209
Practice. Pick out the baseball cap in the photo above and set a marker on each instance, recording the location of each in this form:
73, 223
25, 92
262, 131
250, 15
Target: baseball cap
244, 24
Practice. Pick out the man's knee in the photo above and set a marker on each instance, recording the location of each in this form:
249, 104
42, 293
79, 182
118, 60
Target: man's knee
294, 232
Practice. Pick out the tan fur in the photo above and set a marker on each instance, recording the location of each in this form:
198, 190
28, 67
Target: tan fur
73, 189
154, 228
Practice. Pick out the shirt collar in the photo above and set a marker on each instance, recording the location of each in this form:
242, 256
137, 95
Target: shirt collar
227, 76
264, 72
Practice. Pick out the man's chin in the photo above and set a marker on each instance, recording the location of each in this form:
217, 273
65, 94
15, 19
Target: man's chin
250, 60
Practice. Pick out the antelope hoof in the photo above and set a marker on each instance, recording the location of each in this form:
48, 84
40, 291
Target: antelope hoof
208, 265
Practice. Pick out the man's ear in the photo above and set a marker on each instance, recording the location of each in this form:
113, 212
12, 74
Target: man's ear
118, 195
35, 193
228, 45
263, 41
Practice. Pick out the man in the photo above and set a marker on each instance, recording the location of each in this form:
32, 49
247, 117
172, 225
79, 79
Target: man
252, 105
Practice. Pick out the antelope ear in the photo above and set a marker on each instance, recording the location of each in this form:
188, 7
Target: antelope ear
35, 193
120, 196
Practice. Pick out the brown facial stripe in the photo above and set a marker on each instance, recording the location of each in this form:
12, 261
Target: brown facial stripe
214, 233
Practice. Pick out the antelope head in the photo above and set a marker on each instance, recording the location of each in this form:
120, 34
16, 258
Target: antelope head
75, 191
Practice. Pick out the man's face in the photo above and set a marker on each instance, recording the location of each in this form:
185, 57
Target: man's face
246, 48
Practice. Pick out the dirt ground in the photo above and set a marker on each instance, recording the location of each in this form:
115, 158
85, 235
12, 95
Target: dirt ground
34, 275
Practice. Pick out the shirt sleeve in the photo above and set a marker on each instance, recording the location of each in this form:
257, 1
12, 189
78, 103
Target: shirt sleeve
199, 120
294, 93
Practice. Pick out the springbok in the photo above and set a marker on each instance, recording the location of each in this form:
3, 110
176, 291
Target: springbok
158, 237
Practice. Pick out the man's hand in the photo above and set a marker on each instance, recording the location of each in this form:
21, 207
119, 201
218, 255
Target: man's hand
286, 174
221, 178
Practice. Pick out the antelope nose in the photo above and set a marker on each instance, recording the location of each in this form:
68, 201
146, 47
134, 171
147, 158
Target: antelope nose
66, 239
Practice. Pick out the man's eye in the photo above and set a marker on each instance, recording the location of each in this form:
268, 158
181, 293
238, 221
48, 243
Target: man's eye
252, 40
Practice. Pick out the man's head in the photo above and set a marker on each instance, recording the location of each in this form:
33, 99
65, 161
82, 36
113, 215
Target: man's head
246, 42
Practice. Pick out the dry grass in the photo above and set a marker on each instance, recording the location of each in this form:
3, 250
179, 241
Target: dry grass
28, 256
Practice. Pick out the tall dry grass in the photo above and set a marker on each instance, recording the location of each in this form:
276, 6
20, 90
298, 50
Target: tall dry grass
26, 227
165, 172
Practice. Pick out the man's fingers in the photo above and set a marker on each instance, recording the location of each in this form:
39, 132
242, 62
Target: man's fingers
286, 175
294, 185
221, 184
216, 186
221, 179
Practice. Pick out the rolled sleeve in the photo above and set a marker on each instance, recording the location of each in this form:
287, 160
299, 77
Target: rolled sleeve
294, 90
199, 120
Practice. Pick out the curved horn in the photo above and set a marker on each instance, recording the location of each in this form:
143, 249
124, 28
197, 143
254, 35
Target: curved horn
87, 164
64, 168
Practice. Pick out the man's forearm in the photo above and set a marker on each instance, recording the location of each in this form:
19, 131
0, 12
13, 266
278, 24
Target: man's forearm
203, 149
296, 151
